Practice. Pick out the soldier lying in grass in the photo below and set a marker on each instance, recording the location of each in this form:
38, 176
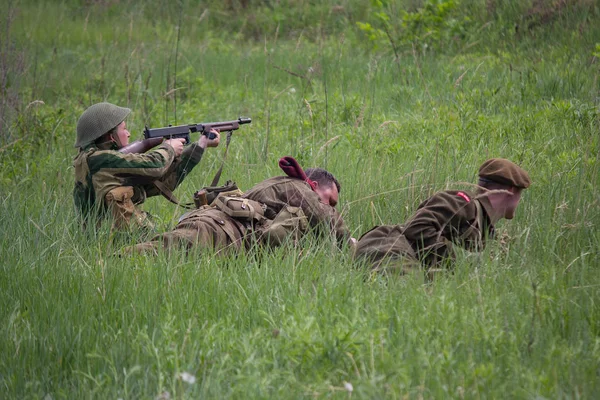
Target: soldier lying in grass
276, 210
446, 219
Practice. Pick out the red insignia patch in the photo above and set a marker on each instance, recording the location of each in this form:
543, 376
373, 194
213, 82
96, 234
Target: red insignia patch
464, 196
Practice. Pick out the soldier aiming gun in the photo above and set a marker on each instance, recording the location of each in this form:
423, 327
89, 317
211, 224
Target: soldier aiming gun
112, 183
154, 137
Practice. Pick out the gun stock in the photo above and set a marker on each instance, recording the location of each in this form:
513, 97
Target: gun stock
141, 146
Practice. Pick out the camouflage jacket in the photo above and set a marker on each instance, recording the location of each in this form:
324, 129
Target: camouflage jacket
99, 170
281, 191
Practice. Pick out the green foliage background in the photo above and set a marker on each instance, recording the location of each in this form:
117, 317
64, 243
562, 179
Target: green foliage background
398, 99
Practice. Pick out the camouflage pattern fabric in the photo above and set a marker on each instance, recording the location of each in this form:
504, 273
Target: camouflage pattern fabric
125, 215
102, 169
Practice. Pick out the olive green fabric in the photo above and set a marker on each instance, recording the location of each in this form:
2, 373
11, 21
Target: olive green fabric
98, 120
240, 208
290, 209
101, 169
281, 191
204, 229
447, 218
290, 224
385, 248
125, 215
230, 188
505, 172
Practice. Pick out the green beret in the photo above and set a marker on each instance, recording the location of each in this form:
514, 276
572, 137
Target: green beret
98, 120
505, 172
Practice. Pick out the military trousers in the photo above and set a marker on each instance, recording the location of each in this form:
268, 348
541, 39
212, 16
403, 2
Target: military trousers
205, 228
385, 249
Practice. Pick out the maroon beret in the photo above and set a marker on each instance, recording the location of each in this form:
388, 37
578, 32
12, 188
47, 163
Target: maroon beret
505, 172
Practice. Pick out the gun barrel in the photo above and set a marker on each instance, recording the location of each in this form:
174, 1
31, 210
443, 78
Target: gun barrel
226, 125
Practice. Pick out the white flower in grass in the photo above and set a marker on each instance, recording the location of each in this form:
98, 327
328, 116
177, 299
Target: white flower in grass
348, 386
164, 396
292, 90
187, 377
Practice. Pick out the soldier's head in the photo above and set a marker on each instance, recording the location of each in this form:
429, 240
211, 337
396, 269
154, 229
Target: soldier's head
328, 188
101, 123
504, 181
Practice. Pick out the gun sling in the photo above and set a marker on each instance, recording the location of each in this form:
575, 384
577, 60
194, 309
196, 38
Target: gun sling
215, 180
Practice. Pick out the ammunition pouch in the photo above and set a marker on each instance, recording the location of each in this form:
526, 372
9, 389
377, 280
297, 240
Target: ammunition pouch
239, 208
123, 211
208, 194
289, 224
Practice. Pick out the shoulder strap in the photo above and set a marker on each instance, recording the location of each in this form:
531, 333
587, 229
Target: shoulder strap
215, 180
168, 194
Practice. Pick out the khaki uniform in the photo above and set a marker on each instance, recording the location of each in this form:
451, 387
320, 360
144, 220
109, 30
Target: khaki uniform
446, 219
205, 229
283, 195
290, 208
111, 183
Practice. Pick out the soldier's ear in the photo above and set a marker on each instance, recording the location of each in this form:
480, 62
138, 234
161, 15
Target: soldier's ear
316, 184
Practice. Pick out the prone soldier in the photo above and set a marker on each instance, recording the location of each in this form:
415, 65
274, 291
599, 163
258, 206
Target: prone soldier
447, 218
278, 209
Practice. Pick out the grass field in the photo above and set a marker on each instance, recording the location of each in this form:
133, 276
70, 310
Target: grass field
519, 320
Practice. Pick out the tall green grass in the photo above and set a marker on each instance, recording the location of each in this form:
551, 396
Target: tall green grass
519, 320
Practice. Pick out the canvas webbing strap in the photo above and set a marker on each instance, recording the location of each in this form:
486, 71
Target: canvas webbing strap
168, 194
215, 180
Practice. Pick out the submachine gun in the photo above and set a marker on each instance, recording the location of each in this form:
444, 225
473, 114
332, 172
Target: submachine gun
155, 136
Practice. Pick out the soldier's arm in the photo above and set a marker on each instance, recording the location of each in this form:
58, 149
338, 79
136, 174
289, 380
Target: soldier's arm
437, 224
342, 233
179, 169
142, 166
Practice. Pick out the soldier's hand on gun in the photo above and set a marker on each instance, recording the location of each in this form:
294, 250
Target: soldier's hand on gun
205, 142
177, 145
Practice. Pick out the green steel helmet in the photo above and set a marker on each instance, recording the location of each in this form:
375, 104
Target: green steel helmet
98, 120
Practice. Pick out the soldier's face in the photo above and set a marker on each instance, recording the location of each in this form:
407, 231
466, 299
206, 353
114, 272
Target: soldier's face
122, 135
511, 202
328, 194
